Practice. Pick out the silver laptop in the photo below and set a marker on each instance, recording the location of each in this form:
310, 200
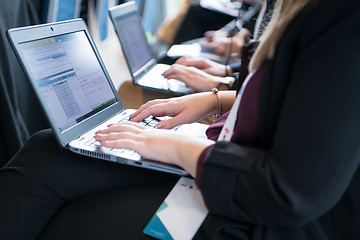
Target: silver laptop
76, 92
143, 67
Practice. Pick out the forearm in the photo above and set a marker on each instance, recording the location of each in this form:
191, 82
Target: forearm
227, 99
277, 181
189, 152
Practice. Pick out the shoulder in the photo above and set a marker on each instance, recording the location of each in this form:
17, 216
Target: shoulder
324, 16
322, 27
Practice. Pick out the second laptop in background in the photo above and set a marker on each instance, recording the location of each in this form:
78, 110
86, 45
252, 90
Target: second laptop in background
144, 69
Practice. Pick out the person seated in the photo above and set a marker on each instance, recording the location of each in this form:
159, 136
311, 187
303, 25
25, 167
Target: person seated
282, 162
227, 47
225, 41
193, 22
197, 20
202, 74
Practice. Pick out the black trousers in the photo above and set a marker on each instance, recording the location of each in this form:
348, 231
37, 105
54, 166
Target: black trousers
50, 193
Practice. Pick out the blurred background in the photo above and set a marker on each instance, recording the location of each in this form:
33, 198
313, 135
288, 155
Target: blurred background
95, 13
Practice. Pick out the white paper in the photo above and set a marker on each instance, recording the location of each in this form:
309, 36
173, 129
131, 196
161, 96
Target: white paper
186, 210
193, 50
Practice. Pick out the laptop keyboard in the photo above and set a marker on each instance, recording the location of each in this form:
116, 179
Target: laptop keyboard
127, 153
154, 79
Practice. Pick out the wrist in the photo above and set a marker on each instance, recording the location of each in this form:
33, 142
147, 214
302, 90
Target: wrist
190, 153
225, 83
217, 114
212, 102
228, 71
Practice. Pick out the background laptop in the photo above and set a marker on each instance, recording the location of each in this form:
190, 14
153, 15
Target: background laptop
143, 67
75, 90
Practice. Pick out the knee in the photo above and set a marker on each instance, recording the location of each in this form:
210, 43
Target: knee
41, 145
40, 141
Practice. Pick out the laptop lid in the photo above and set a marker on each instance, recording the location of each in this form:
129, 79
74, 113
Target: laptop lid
127, 24
68, 76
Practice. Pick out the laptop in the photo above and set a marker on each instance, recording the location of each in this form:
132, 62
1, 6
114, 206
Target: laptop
76, 92
144, 69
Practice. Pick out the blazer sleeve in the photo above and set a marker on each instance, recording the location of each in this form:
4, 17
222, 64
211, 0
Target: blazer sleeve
315, 150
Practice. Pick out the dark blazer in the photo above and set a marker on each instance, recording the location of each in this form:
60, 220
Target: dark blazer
304, 183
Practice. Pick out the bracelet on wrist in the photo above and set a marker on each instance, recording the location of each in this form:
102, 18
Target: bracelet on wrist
219, 113
226, 71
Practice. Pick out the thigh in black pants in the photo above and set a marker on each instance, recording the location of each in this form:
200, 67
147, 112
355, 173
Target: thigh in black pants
50, 193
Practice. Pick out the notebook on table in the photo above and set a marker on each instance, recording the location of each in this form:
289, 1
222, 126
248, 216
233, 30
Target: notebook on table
144, 68
76, 92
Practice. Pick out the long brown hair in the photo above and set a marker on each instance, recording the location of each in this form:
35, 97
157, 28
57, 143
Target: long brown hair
284, 11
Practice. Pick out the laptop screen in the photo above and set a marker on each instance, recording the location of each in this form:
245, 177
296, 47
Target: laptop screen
133, 40
69, 76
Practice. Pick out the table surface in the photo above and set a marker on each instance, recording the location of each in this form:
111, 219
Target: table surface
134, 96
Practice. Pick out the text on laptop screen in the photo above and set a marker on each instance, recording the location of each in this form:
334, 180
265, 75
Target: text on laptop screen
69, 76
133, 40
